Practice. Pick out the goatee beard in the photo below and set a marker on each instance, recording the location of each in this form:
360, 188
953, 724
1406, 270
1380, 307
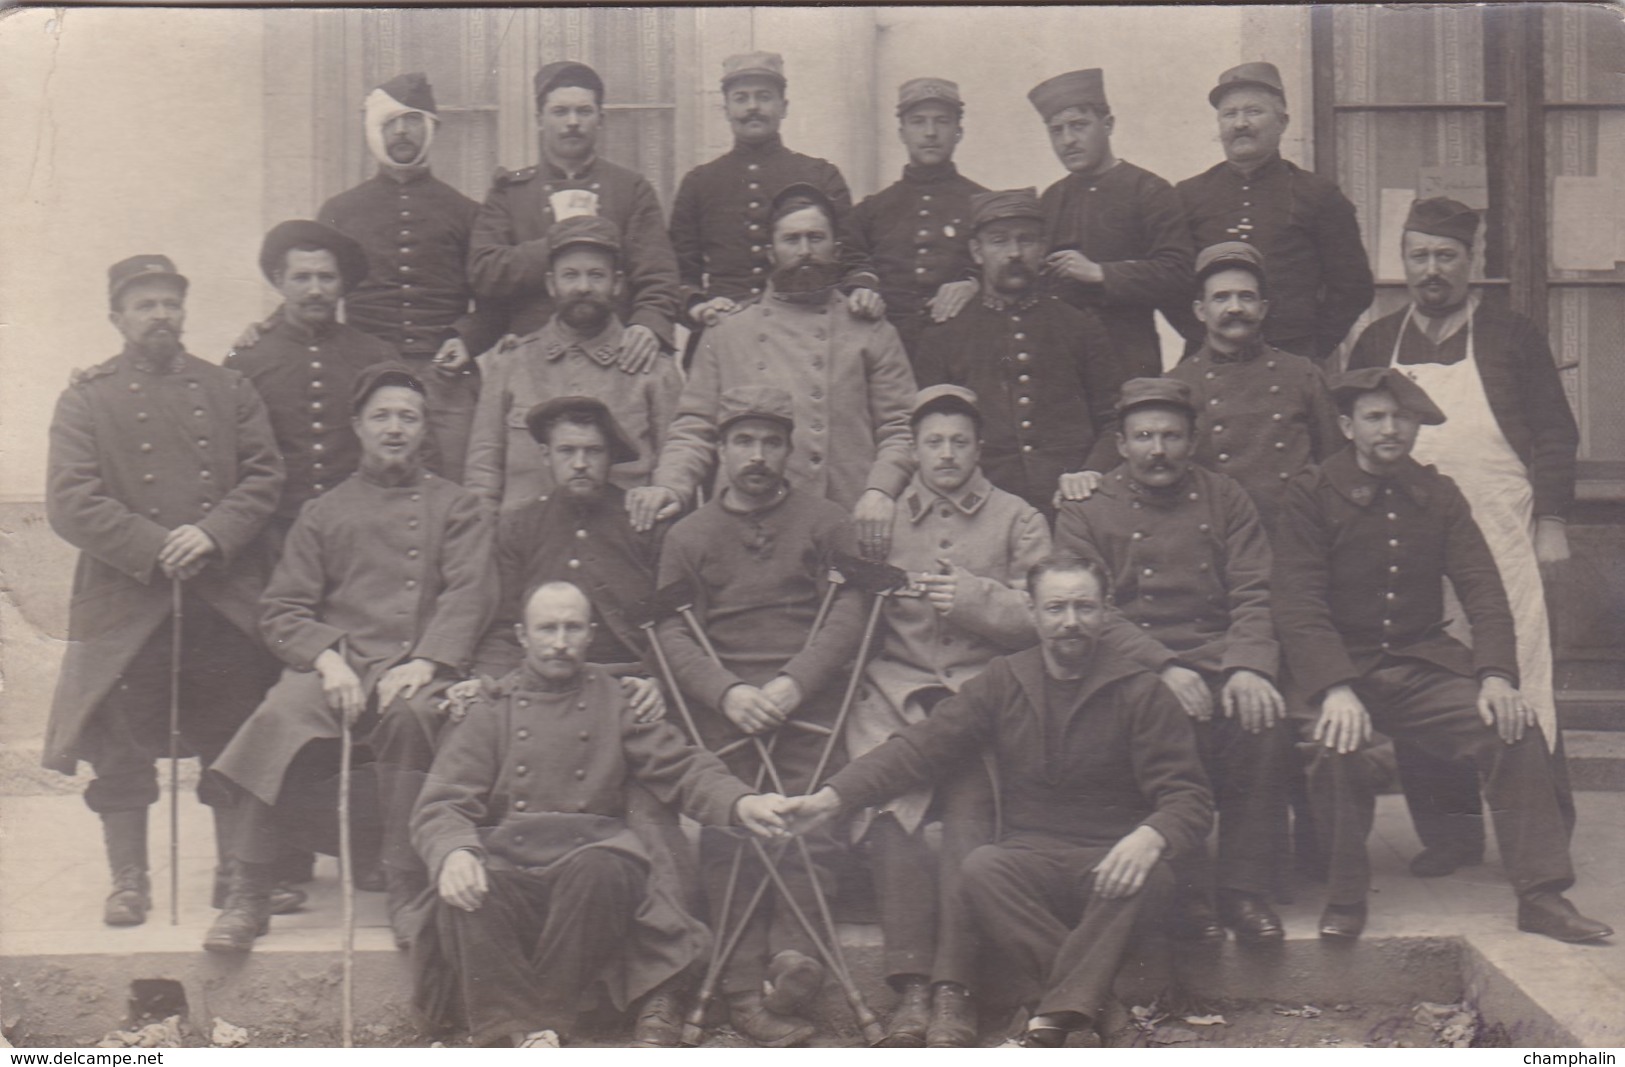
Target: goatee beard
806, 277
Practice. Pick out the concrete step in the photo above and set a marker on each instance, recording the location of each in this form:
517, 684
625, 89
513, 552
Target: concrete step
1591, 709
1596, 759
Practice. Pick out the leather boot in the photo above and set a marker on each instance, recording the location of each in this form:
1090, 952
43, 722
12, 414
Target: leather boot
125, 834
247, 914
285, 900
913, 1015
404, 887
793, 979
660, 1018
953, 1017
767, 1028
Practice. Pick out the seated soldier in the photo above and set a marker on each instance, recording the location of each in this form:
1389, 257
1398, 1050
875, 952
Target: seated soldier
544, 895
384, 587
1097, 782
1361, 551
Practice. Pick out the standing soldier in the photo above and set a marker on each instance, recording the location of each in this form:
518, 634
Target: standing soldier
162, 471
1300, 223
510, 256
1118, 239
720, 225
917, 230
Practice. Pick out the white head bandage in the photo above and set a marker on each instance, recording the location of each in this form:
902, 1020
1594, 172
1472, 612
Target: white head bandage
377, 110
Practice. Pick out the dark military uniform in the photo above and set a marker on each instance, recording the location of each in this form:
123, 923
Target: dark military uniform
1046, 379
916, 233
1316, 270
509, 255
1130, 222
306, 380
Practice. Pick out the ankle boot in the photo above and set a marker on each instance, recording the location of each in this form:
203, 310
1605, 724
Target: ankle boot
125, 834
247, 914
912, 1016
284, 898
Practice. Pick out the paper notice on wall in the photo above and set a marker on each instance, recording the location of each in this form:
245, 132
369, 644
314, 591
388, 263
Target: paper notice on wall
1468, 184
1586, 223
1392, 211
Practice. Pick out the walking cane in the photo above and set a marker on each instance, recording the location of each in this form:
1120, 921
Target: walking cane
346, 889
174, 751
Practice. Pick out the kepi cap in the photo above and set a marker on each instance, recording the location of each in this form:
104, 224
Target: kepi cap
1412, 397
140, 268
753, 65
1227, 255
351, 258
1163, 392
945, 399
539, 421
1441, 216
1004, 204
567, 72
592, 230
1248, 76
373, 378
1075, 88
755, 402
928, 90
412, 91
798, 195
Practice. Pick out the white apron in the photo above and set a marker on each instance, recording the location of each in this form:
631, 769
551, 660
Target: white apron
1473, 451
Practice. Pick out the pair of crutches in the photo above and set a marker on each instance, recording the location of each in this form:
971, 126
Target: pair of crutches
879, 580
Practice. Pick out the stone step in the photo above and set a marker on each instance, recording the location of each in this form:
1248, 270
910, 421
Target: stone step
1596, 759
1591, 709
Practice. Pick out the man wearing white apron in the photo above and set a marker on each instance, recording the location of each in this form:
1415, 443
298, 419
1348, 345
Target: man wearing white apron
1509, 443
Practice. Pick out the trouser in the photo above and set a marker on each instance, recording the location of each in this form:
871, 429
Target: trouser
773, 927
1437, 710
1054, 944
224, 674
1444, 800
525, 959
305, 816
923, 915
1249, 776
403, 746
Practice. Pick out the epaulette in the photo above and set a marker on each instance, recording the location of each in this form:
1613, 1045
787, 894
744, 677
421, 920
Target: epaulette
504, 176
81, 375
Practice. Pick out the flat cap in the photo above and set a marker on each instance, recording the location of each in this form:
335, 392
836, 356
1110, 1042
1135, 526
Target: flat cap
1163, 392
927, 91
539, 420
796, 196
373, 378
1441, 216
411, 90
567, 73
1004, 204
305, 233
1248, 76
945, 399
1347, 388
753, 65
1075, 88
1226, 255
755, 402
140, 268
592, 230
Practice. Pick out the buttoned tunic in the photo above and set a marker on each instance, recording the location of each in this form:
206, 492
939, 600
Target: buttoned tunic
916, 232
138, 448
306, 380
1046, 379
533, 775
509, 255
506, 467
1130, 222
1358, 568
849, 379
380, 573
1263, 415
1190, 565
590, 543
415, 232
1315, 264
719, 221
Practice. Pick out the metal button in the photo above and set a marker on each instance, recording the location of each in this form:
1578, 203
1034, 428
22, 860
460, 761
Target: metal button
580, 774
411, 553
148, 478
575, 564
519, 805
146, 446
141, 416
584, 735
521, 770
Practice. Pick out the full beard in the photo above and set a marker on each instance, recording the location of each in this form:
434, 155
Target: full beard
585, 314
806, 277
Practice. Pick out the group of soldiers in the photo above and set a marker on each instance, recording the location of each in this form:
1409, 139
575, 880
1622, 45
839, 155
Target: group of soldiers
819, 525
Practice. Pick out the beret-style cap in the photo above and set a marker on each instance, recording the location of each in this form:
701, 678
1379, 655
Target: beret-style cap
140, 268
1441, 216
566, 73
1075, 88
1412, 397
755, 402
753, 64
1166, 392
411, 90
584, 230
539, 421
373, 378
351, 258
1248, 76
928, 90
999, 204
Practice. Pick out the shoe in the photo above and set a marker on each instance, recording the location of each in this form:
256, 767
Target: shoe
125, 835
1342, 921
537, 1039
1042, 1037
1196, 922
403, 887
130, 900
660, 1020
1253, 920
767, 1028
247, 914
953, 1017
912, 1017
793, 979
1438, 862
1550, 913
285, 899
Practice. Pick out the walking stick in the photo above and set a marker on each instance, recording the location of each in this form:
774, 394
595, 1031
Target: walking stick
174, 751
346, 889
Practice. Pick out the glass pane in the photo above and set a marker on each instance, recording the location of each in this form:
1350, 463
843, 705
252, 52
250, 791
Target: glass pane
1408, 54
1585, 158
1587, 331
1585, 52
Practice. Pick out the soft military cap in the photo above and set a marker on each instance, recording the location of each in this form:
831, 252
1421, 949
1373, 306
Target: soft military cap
1163, 392
1441, 216
1075, 88
1248, 76
592, 230
1412, 397
755, 402
753, 65
945, 399
380, 375
411, 90
351, 258
1226, 255
796, 196
540, 419
927, 91
567, 73
140, 268
1004, 204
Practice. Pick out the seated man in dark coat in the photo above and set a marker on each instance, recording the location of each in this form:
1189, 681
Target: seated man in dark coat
1098, 782
544, 892
1361, 551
